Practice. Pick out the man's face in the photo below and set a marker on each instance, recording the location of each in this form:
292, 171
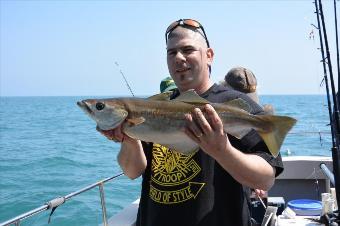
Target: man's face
187, 60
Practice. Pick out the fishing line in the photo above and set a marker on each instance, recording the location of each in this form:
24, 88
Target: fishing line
320, 138
316, 82
126, 82
313, 176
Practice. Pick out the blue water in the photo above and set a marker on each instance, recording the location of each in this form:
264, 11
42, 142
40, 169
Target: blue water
50, 148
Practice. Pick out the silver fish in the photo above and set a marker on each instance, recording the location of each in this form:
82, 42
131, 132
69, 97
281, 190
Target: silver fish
160, 120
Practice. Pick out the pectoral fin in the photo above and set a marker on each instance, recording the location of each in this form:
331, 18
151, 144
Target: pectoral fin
135, 121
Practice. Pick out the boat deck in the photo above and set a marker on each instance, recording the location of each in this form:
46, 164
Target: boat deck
301, 179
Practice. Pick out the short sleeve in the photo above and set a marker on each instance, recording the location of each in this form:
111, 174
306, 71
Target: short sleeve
255, 145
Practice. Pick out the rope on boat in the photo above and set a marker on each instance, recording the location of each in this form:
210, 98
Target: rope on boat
53, 204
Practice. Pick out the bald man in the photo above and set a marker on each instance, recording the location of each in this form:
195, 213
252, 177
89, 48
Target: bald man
206, 187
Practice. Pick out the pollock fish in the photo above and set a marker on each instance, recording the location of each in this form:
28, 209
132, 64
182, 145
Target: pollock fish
160, 120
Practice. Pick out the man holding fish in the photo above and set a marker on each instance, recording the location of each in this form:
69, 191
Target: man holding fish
198, 158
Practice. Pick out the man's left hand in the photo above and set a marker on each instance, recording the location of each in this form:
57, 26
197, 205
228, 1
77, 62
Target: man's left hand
205, 127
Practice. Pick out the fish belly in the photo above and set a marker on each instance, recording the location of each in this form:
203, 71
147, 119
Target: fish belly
166, 135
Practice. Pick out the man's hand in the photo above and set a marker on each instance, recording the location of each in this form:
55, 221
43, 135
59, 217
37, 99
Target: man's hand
131, 157
207, 130
261, 193
114, 134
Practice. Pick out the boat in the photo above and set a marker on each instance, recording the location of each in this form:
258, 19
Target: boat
301, 179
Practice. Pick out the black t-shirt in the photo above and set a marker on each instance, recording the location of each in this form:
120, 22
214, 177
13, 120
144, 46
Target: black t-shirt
194, 190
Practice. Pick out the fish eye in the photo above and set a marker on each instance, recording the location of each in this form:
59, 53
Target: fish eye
100, 106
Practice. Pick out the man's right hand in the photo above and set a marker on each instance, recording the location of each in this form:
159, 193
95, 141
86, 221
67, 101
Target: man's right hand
116, 134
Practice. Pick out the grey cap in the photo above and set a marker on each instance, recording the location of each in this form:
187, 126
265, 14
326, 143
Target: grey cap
243, 80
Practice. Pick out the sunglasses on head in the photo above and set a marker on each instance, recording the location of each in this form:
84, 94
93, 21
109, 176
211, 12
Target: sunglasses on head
185, 22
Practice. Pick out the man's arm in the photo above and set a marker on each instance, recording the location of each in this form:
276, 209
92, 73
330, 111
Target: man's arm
248, 169
131, 157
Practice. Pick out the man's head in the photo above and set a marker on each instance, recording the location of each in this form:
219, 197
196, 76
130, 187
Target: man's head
243, 80
189, 56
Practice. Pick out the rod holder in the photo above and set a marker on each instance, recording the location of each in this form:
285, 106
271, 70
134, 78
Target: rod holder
327, 173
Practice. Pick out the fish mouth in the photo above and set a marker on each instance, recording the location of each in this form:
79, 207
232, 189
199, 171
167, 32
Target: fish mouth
84, 107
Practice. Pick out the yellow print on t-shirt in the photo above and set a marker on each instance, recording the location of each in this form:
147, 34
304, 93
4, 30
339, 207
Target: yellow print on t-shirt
172, 173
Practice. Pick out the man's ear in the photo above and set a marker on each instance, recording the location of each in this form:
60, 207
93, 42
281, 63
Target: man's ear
210, 55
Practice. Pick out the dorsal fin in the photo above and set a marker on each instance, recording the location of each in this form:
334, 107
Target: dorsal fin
239, 103
191, 96
161, 96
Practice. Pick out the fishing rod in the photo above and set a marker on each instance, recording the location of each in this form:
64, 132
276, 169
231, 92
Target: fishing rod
337, 45
334, 119
126, 82
325, 78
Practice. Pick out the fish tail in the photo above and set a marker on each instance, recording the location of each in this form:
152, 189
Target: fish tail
280, 127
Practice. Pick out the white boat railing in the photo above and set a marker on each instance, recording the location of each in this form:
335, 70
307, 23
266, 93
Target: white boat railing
56, 202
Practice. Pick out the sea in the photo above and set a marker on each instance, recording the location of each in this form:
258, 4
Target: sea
50, 148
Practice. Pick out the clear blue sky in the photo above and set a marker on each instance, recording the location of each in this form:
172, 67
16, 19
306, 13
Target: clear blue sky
66, 48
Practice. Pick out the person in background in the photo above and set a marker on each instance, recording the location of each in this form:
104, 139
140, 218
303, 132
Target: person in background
167, 85
208, 186
244, 80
